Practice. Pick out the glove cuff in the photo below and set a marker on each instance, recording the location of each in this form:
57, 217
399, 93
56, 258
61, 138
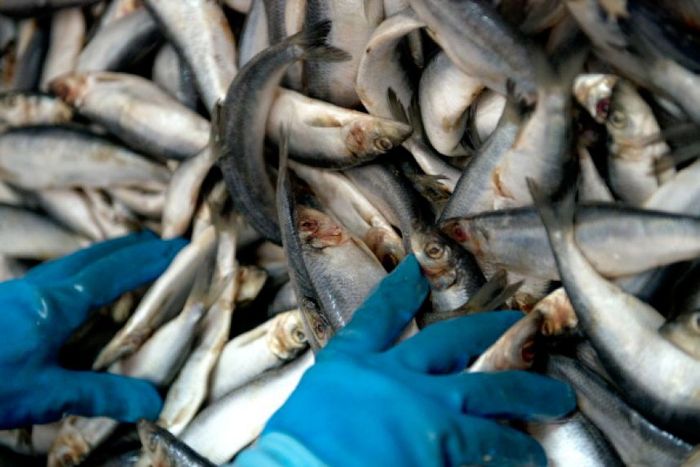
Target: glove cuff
277, 450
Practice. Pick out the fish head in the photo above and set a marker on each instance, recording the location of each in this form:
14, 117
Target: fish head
70, 88
368, 137
288, 336
317, 329
630, 117
436, 256
318, 230
251, 280
558, 315
593, 92
387, 247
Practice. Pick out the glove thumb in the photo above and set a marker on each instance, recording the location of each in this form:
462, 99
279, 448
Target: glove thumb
94, 394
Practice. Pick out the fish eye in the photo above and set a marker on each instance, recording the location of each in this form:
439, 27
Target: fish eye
618, 119
434, 250
308, 225
383, 144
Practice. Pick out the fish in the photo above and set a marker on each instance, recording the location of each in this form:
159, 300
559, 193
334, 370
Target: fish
477, 39
29, 235
242, 126
120, 43
72, 157
444, 111
355, 211
72, 209
453, 274
34, 7
247, 356
18, 109
353, 23
255, 35
636, 440
200, 33
609, 236
161, 299
175, 76
640, 361
328, 136
137, 111
240, 416
67, 36
165, 449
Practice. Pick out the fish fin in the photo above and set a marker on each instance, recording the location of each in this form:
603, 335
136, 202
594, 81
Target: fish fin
414, 117
679, 156
493, 294
398, 112
313, 41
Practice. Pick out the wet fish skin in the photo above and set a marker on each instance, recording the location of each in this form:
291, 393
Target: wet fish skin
353, 23
120, 43
473, 194
631, 160
174, 75
515, 349
641, 361
604, 233
201, 34
28, 109
355, 212
164, 295
446, 93
637, 441
26, 234
242, 128
137, 111
60, 157
165, 449
34, 7
67, 36
329, 253
241, 415
247, 356
479, 42
32, 43
380, 67
328, 136
574, 441
255, 35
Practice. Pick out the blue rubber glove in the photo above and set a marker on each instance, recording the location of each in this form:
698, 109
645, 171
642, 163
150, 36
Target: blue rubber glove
39, 312
367, 402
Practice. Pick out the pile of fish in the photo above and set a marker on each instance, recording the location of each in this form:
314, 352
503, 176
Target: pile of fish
532, 154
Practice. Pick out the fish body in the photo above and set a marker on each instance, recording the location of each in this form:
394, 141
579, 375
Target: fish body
164, 449
244, 117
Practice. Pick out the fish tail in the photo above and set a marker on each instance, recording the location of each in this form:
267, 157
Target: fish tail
398, 112
314, 45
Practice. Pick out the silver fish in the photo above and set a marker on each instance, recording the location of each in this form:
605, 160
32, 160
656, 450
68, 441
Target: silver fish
56, 157
165, 449
201, 34
67, 37
174, 75
137, 111
241, 129
27, 109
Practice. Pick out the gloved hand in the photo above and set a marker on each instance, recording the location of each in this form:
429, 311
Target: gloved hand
39, 312
366, 402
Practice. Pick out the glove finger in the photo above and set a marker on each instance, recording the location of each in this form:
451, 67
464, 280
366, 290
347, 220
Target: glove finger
479, 441
109, 277
508, 395
67, 266
386, 312
447, 346
92, 394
